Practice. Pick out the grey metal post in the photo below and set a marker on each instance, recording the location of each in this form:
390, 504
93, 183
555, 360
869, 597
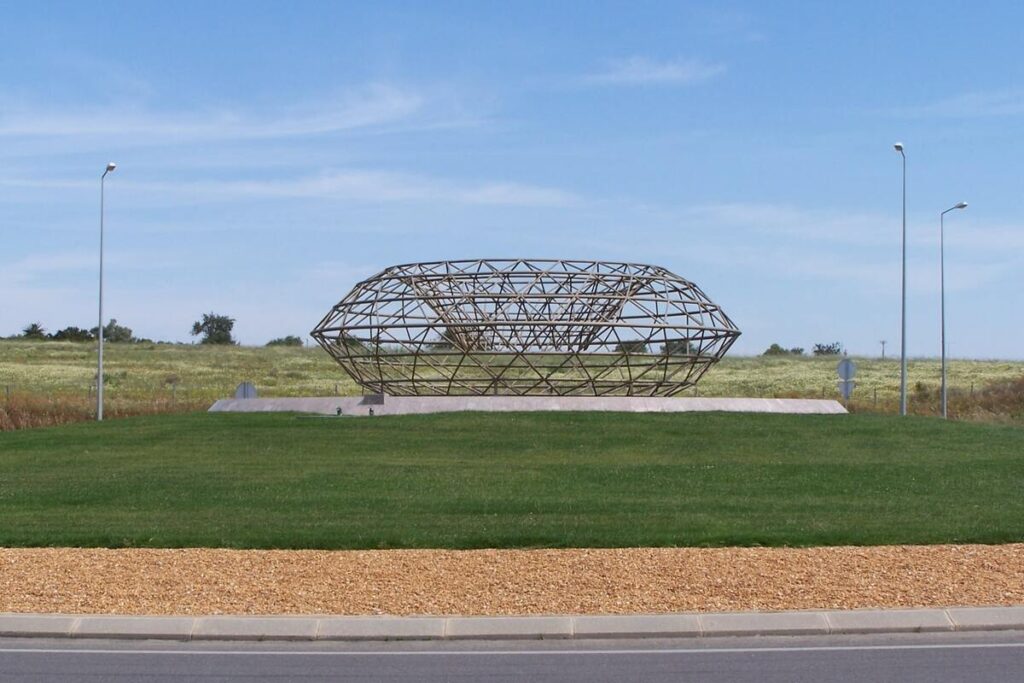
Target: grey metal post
942, 307
903, 307
99, 330
942, 290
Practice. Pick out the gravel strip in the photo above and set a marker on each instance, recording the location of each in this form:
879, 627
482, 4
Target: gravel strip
506, 582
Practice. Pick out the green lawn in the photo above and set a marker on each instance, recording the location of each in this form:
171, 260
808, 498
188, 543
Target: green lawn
511, 480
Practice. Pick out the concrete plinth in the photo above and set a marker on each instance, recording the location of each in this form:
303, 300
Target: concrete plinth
410, 405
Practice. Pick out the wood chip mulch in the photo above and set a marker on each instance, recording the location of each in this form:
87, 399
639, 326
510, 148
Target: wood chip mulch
505, 582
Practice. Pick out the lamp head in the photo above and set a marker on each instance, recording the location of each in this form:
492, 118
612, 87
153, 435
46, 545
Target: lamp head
898, 147
111, 166
961, 205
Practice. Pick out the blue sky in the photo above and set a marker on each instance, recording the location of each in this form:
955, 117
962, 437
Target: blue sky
272, 154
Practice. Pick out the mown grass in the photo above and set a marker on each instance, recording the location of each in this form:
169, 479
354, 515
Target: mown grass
511, 480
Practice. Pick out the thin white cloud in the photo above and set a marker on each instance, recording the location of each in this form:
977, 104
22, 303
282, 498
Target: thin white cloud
865, 271
379, 186
643, 71
344, 185
833, 246
97, 73
375, 105
993, 103
43, 267
853, 228
39, 266
783, 221
729, 23
971, 235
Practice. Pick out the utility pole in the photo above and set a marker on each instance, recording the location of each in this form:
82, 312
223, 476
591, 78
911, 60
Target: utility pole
883, 343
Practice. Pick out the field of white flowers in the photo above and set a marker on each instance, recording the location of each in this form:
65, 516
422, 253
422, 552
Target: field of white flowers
146, 378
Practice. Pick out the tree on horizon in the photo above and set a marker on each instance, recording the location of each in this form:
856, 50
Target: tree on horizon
33, 331
215, 328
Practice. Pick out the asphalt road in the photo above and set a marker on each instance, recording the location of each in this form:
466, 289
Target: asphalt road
946, 657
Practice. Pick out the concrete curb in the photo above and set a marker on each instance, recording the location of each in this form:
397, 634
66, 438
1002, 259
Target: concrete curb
693, 625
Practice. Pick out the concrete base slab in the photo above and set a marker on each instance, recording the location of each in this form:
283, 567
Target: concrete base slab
417, 405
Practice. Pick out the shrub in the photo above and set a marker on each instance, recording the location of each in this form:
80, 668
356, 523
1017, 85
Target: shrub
678, 347
631, 346
290, 340
353, 345
833, 349
112, 332
462, 338
73, 334
776, 350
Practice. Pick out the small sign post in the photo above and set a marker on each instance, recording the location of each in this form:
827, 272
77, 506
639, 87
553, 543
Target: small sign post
846, 370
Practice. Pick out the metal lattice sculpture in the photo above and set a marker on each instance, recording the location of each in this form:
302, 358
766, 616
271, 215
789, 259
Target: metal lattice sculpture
516, 327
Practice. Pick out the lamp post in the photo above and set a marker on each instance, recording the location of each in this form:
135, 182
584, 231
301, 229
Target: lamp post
942, 289
903, 306
99, 330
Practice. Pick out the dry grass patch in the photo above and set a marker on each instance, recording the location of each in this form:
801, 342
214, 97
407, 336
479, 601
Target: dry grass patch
54, 380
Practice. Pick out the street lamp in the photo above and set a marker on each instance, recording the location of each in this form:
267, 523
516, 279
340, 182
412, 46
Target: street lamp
99, 362
903, 307
942, 289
